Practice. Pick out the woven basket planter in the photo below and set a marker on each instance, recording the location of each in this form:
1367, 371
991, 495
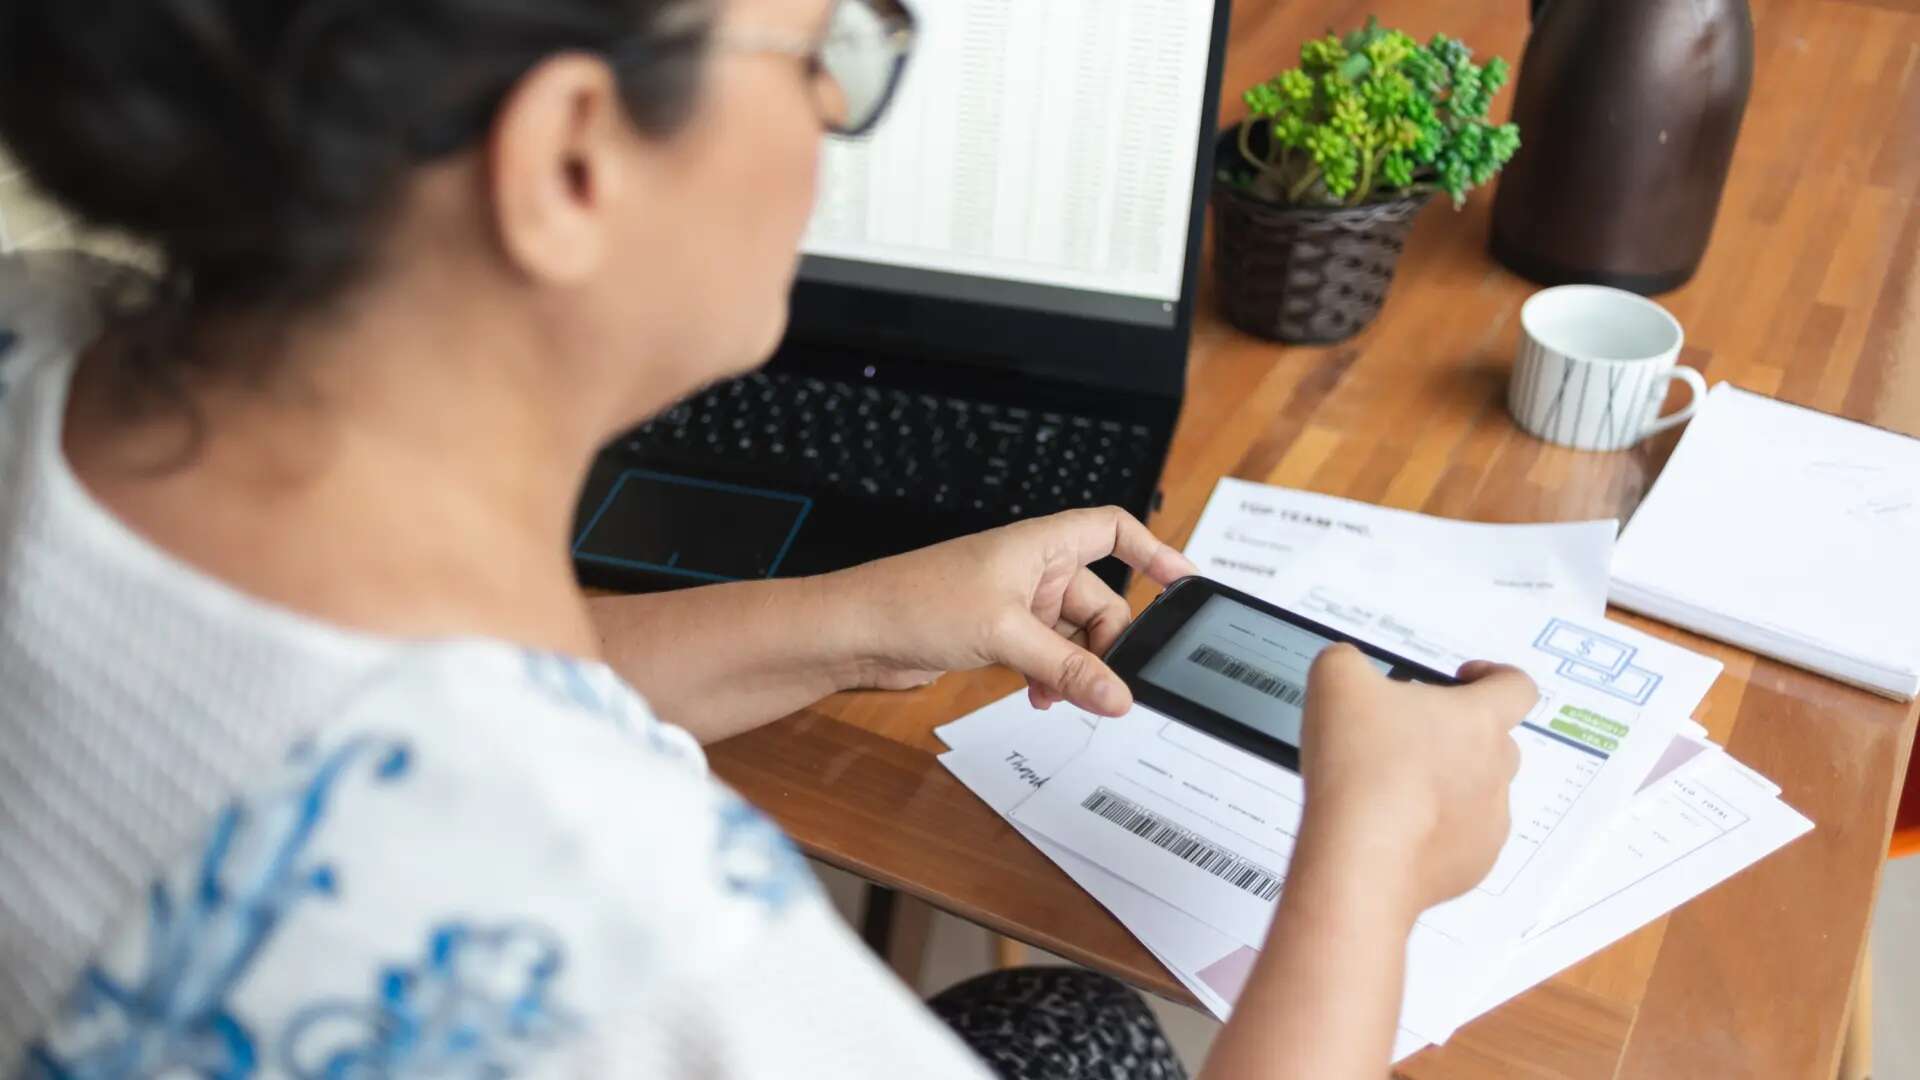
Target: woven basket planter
1304, 275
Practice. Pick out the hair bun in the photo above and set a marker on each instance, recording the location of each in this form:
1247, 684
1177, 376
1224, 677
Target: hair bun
259, 143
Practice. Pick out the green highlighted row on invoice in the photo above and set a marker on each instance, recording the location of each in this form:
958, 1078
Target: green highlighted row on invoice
1579, 724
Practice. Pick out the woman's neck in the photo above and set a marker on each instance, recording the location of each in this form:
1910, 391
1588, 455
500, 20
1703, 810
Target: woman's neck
391, 475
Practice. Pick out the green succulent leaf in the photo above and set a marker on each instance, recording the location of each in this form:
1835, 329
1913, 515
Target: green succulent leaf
1262, 100
1322, 53
1374, 112
1495, 74
1396, 170
1295, 87
1291, 131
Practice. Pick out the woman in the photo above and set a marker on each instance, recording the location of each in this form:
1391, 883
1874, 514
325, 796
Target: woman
318, 763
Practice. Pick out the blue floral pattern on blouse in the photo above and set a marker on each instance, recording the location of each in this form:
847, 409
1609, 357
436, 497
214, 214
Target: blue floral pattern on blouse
201, 940
480, 1002
595, 689
476, 999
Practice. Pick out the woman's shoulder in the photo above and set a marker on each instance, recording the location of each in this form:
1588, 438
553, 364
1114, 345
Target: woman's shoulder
505, 830
561, 751
495, 684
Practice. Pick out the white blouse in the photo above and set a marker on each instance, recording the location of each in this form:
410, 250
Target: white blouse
238, 842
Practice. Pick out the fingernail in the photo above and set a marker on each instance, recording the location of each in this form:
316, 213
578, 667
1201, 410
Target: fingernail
1111, 696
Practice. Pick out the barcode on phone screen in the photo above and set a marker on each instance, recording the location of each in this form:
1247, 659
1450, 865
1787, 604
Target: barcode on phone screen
1236, 871
1246, 674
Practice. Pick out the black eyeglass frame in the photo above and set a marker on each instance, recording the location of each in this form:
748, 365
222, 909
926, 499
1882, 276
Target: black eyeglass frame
899, 33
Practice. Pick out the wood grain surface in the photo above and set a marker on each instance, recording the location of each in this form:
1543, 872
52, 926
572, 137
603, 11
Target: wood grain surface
1809, 292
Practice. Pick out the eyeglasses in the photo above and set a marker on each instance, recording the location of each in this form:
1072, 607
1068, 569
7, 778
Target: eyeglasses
855, 64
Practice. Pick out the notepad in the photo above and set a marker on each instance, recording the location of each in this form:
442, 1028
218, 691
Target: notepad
1788, 532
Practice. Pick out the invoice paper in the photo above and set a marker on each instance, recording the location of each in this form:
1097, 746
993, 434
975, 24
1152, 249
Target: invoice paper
1210, 830
1281, 544
1693, 830
1681, 839
1444, 592
1004, 752
1290, 546
1582, 723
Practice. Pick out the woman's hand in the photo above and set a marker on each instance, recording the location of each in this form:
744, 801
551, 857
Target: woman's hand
1421, 771
1020, 595
1406, 807
724, 659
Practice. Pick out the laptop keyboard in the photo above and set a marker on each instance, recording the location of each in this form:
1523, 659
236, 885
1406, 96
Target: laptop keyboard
942, 453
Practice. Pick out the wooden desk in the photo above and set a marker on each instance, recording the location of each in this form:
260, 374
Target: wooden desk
1810, 293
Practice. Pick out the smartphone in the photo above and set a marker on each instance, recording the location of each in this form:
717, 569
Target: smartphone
1235, 666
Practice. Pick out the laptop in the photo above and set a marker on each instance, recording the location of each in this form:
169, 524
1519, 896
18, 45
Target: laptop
990, 322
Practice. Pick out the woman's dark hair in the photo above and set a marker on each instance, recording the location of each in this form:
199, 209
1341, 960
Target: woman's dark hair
260, 144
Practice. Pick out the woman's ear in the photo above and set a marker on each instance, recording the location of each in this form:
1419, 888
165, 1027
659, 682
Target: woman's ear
554, 168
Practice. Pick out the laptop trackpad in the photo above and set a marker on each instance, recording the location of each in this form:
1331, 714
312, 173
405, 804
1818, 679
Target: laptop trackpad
698, 529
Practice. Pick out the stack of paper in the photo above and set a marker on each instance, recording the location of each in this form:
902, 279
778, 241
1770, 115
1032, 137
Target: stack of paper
1788, 532
1622, 810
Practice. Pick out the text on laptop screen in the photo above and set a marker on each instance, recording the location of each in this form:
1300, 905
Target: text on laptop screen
1041, 155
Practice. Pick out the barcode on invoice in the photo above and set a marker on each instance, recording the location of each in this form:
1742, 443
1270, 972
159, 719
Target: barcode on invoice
1242, 672
1225, 865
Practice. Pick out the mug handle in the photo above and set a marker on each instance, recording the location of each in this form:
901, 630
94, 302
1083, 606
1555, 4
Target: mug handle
1696, 383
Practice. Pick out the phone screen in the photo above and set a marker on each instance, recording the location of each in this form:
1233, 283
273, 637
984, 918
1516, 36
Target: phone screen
1243, 664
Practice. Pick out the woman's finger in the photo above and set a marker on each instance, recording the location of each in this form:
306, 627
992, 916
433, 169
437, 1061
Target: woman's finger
1096, 610
1108, 530
1040, 697
1508, 692
1037, 694
1070, 630
1034, 650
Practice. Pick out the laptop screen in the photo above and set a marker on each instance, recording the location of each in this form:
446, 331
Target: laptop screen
1040, 156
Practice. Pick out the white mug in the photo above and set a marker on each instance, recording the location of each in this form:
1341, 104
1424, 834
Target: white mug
1594, 367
